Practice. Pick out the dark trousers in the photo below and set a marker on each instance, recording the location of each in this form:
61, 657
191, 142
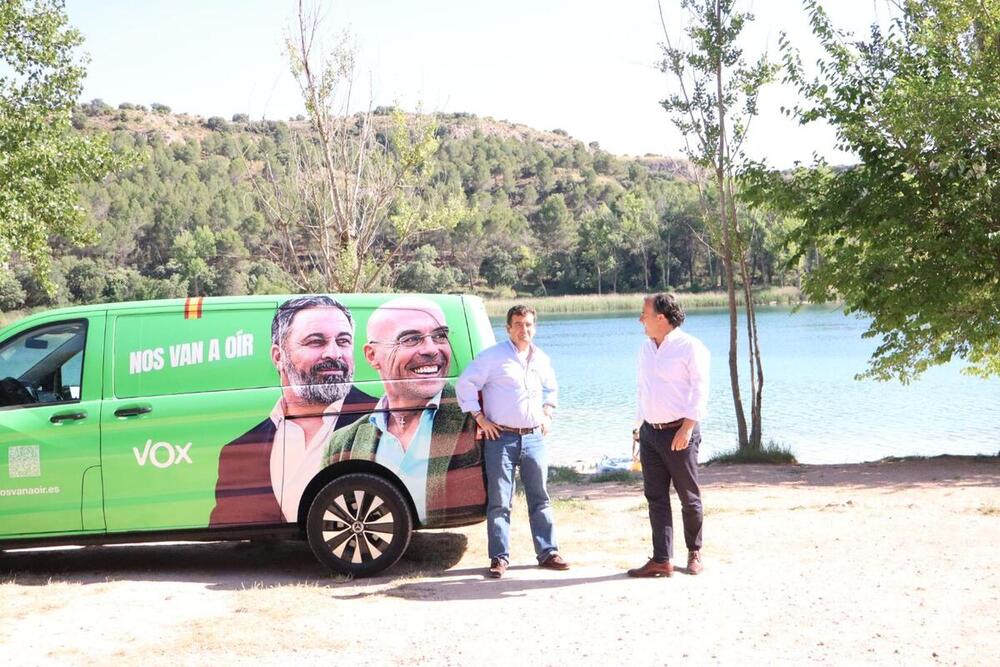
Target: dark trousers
660, 465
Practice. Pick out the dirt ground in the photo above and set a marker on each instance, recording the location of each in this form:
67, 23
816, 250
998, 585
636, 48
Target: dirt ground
880, 563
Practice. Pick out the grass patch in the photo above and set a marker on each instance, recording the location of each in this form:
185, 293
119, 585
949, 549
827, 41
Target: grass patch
989, 510
563, 475
611, 303
771, 453
564, 505
615, 476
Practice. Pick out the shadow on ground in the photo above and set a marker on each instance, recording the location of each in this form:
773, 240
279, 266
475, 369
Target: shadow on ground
220, 565
891, 474
473, 584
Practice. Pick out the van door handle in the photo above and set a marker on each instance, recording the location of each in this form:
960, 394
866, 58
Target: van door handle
132, 412
67, 416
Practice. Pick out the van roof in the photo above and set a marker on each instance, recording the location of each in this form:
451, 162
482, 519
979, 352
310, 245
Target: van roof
351, 299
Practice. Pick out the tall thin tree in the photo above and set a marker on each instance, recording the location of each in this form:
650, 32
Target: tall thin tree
712, 105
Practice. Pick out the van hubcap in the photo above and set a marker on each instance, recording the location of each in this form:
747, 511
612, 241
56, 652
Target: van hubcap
358, 526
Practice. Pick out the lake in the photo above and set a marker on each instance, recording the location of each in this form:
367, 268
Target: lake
812, 403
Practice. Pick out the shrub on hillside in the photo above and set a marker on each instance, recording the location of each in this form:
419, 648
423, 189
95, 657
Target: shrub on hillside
12, 295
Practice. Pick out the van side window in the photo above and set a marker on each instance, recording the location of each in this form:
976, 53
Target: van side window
43, 365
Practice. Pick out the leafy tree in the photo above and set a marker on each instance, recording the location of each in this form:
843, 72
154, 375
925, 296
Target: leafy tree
86, 281
42, 157
639, 227
347, 208
192, 259
911, 234
217, 124
421, 273
499, 269
715, 99
600, 235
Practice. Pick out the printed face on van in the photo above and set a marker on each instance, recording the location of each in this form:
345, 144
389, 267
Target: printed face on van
316, 358
408, 340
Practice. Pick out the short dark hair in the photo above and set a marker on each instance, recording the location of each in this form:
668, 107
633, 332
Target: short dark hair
282, 322
522, 311
666, 305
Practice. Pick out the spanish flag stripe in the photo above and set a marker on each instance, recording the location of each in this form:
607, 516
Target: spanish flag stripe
192, 308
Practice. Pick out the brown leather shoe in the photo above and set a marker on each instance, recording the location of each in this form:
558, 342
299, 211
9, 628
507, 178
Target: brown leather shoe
694, 562
497, 567
554, 562
653, 569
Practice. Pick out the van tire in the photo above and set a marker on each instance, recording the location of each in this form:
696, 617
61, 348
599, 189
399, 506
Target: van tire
352, 547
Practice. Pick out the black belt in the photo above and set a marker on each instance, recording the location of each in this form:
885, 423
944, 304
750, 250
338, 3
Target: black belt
677, 423
520, 431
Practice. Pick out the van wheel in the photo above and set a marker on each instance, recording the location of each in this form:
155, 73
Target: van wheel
359, 525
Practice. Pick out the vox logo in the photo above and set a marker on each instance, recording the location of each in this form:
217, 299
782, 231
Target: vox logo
162, 454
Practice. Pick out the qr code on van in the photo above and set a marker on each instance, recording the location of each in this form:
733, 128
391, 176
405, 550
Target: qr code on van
24, 461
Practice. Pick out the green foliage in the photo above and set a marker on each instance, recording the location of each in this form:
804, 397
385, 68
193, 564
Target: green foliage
498, 269
185, 219
563, 475
12, 295
217, 124
615, 476
42, 157
422, 273
86, 281
911, 234
772, 453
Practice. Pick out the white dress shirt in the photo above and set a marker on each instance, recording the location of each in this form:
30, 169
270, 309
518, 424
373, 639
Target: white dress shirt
673, 379
294, 462
515, 385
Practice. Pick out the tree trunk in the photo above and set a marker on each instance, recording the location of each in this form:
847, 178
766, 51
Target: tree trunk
645, 269
665, 275
727, 246
753, 343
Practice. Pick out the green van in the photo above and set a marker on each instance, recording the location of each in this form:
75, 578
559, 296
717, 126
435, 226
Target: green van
331, 418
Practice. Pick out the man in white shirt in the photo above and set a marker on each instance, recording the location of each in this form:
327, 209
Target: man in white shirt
673, 373
519, 393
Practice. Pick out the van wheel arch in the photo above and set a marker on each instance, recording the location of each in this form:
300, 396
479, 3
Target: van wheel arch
342, 468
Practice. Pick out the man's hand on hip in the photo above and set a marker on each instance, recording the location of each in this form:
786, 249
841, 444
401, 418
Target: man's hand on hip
491, 430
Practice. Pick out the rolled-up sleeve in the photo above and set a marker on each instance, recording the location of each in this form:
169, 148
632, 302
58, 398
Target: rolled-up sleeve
470, 382
699, 366
550, 388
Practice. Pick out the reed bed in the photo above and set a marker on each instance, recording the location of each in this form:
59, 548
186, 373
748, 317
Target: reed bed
616, 303
9, 317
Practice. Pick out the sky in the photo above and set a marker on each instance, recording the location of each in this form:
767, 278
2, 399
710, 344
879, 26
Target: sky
585, 66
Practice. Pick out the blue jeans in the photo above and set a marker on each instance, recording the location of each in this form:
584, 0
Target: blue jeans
502, 455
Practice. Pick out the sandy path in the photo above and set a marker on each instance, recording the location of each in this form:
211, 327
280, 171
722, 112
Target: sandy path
889, 563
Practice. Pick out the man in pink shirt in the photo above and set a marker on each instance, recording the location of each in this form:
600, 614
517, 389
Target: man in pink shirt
672, 399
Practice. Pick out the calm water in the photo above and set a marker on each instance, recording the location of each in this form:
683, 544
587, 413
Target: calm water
812, 402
